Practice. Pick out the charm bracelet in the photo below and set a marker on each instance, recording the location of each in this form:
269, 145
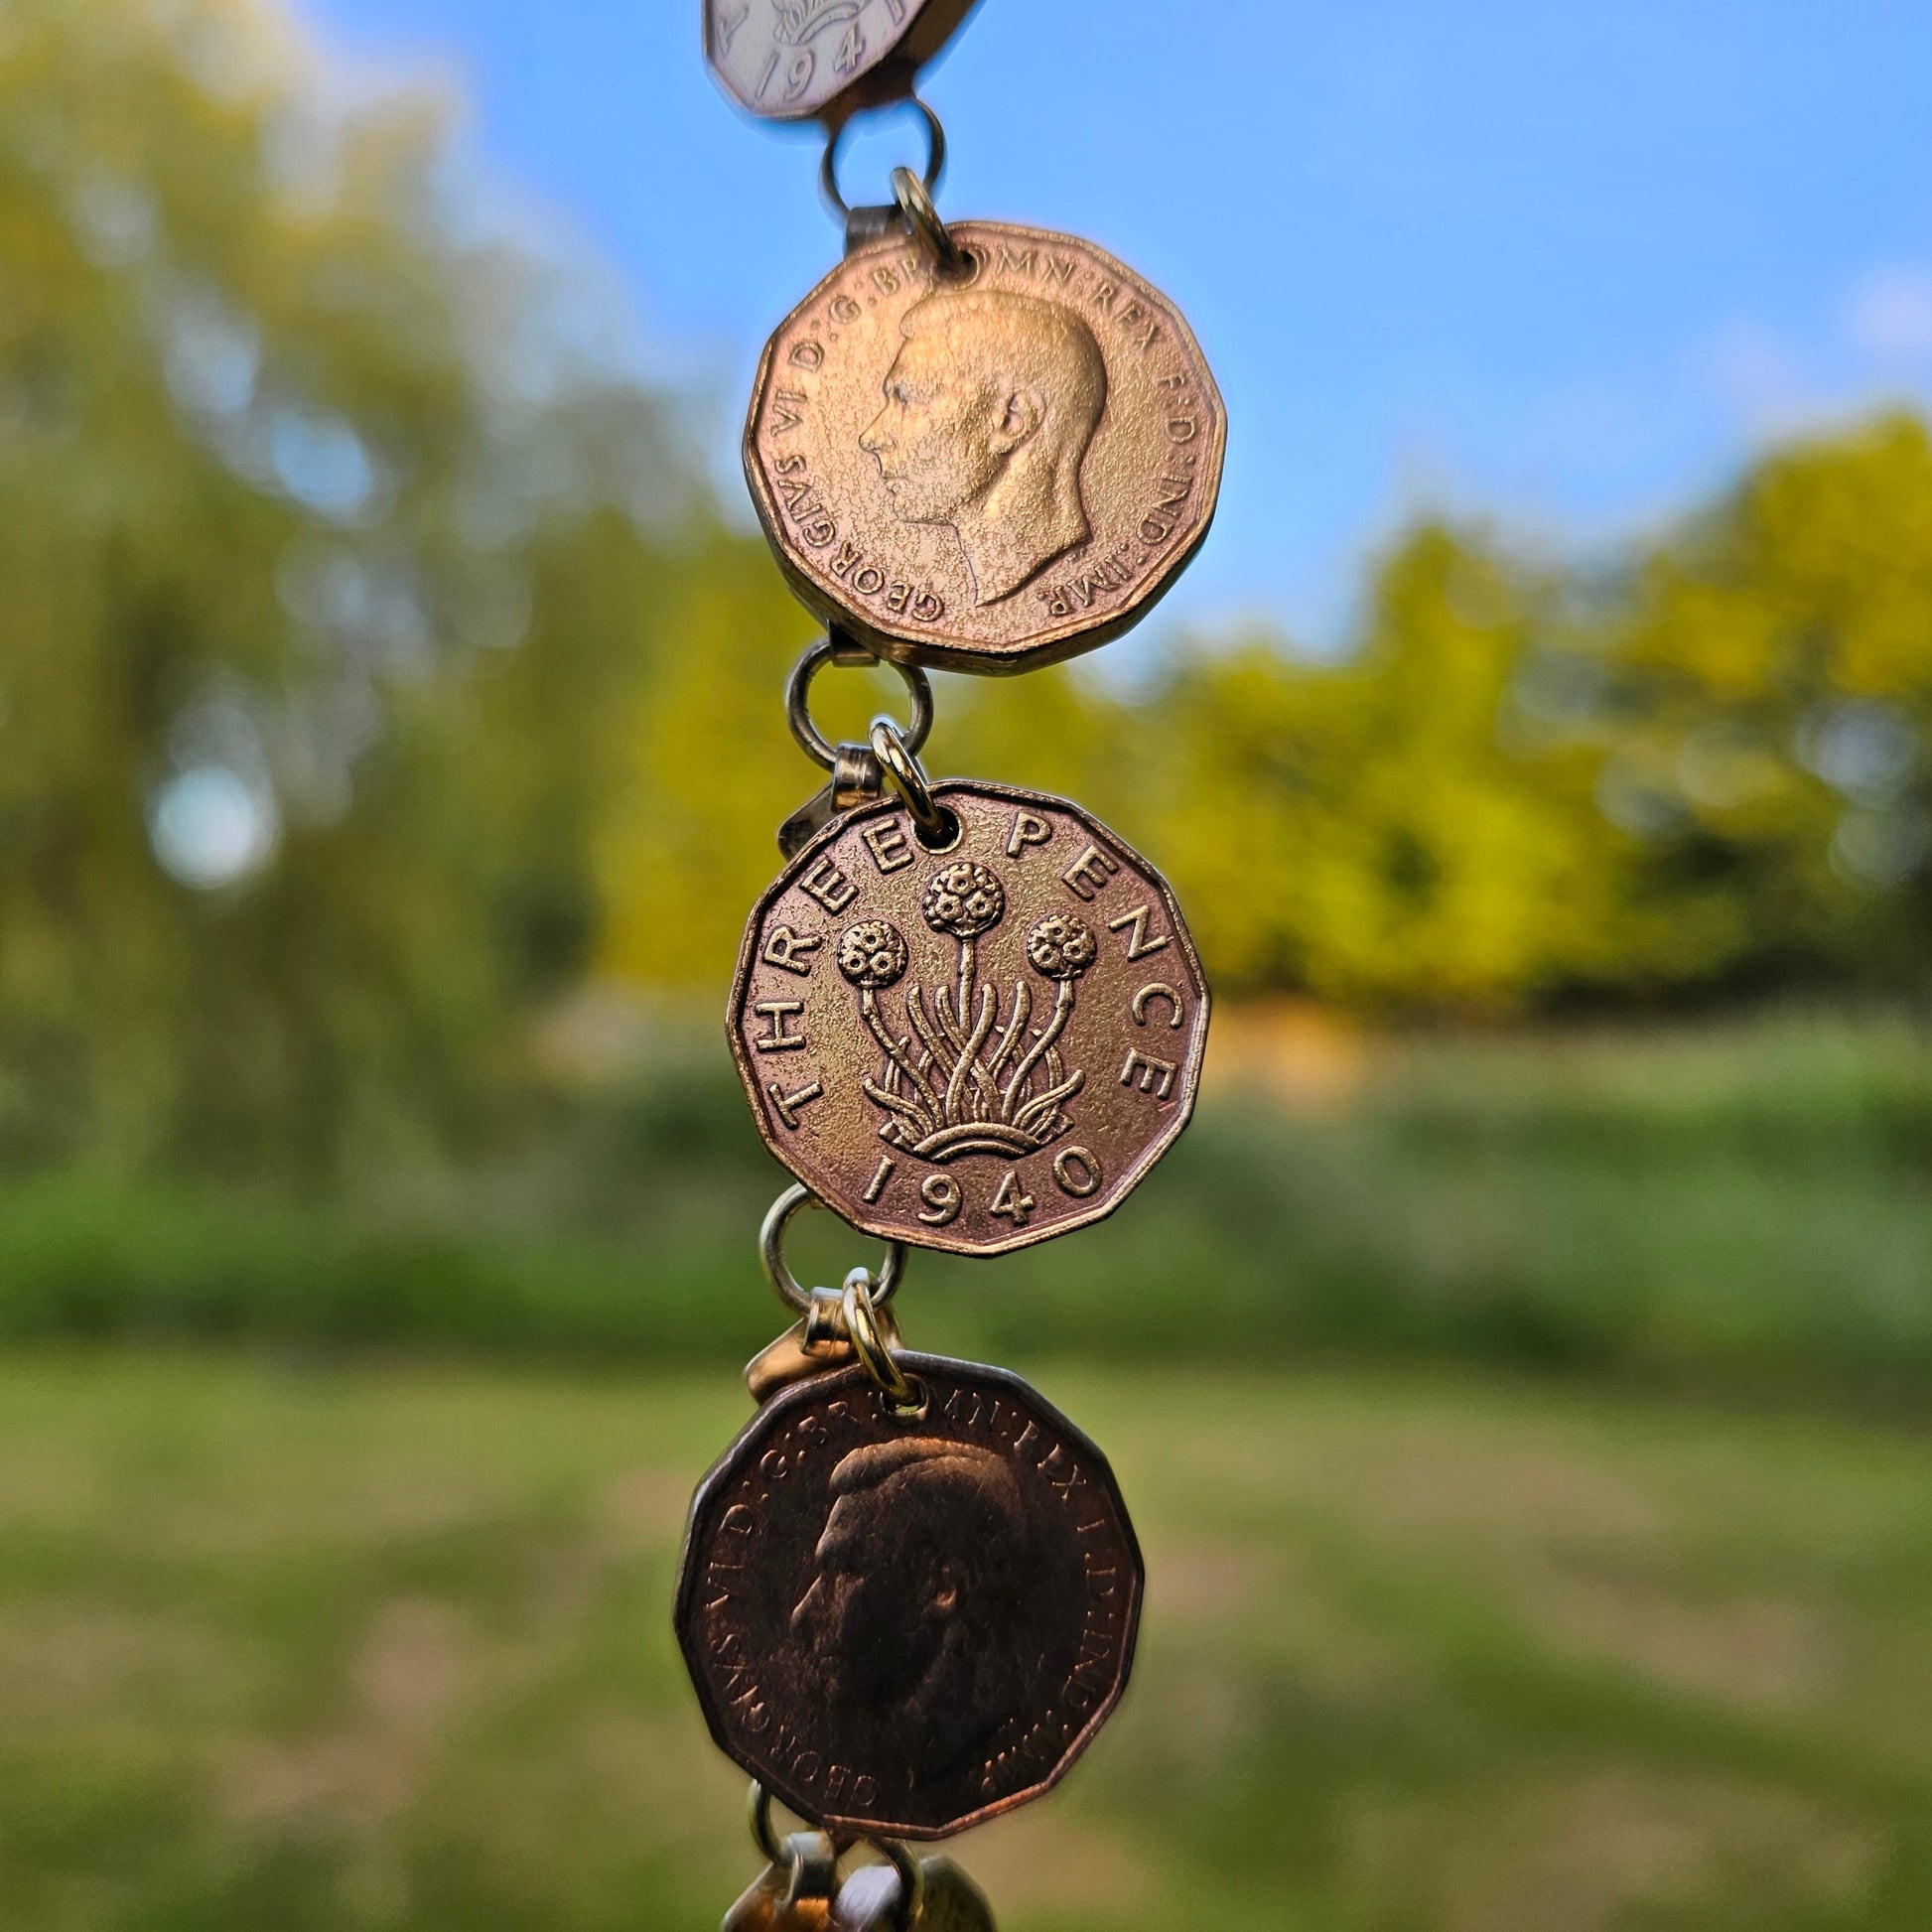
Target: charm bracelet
967, 1016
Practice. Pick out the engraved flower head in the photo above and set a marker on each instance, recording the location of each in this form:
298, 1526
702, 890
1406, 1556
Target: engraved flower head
872, 954
1061, 946
963, 899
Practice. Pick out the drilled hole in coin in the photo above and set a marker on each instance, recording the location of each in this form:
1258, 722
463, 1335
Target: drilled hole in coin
919, 1408
945, 837
960, 277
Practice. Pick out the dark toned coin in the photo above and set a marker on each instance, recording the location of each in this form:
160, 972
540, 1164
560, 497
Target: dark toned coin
972, 1048
989, 473
788, 60
903, 1628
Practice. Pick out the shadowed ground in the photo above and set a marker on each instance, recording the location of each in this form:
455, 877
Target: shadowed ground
384, 1649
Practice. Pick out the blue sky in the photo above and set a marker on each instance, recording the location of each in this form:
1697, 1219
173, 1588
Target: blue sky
1564, 261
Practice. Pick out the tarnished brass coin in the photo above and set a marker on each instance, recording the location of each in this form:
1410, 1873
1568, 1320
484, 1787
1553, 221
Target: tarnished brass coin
903, 1628
972, 1048
788, 60
988, 474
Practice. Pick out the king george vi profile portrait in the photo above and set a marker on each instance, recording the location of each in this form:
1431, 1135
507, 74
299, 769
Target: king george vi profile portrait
921, 1615
991, 405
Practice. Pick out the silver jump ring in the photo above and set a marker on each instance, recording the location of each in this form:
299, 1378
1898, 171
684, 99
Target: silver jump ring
937, 826
915, 203
935, 155
784, 1283
814, 742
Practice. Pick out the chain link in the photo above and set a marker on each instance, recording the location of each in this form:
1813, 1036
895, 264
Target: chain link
835, 648
828, 174
784, 1283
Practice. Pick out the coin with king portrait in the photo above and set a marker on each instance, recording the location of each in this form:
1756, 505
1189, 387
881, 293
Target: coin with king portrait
990, 471
973, 1047
908, 1626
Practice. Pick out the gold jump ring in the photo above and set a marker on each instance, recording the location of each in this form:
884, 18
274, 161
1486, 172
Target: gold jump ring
908, 1398
937, 827
914, 200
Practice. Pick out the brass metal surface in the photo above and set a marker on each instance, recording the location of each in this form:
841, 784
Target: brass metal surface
977, 1048
991, 472
791, 60
794, 1358
904, 1628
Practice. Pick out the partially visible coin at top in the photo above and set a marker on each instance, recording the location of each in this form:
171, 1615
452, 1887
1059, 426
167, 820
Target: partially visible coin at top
788, 60
987, 472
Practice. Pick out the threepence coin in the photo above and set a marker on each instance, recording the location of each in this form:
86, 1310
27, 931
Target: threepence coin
988, 474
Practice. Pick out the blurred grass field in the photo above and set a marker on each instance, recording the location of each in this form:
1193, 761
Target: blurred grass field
1741, 1209
323, 1649
1527, 1435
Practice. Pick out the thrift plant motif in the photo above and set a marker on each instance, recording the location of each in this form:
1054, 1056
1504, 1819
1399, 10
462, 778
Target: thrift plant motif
872, 954
958, 1081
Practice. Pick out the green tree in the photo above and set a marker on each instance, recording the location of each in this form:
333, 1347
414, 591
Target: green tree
326, 565
1390, 828
1769, 723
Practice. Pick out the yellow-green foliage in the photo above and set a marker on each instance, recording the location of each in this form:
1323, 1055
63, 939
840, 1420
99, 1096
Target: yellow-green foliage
1384, 828
1774, 692
1703, 768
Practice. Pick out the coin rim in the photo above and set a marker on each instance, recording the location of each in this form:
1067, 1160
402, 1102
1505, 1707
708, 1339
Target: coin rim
1186, 1087
888, 78
724, 1470
1051, 646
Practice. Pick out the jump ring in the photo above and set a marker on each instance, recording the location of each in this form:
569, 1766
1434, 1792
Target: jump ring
908, 1400
935, 155
811, 1856
937, 826
762, 1836
912, 1883
915, 203
814, 742
772, 1252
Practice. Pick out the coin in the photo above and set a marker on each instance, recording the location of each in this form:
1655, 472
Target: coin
975, 1049
989, 473
903, 1628
788, 60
